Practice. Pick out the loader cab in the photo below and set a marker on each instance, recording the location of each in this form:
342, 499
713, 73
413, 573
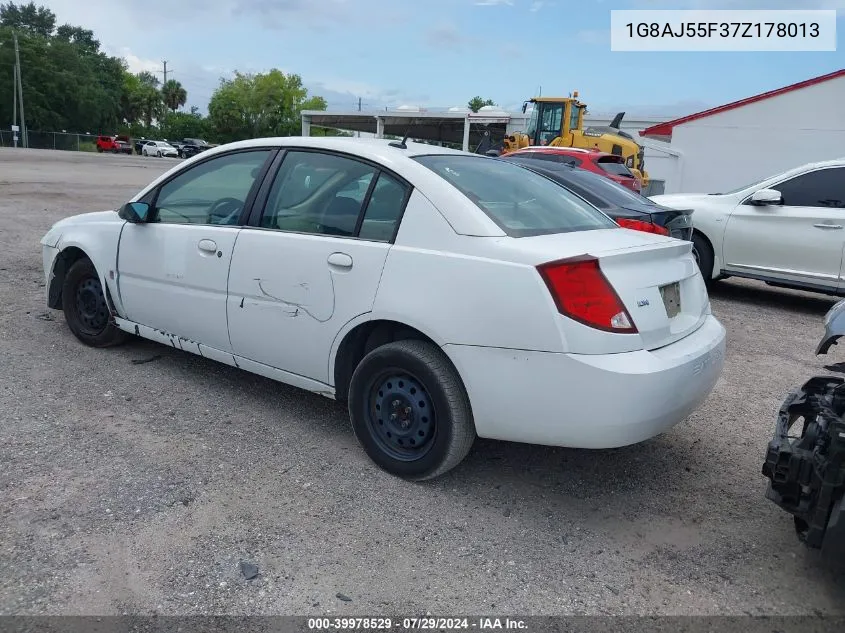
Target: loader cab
553, 118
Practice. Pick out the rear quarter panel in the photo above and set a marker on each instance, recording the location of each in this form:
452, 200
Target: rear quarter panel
456, 291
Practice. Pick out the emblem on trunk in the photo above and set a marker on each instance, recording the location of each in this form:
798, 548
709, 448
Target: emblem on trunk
642, 303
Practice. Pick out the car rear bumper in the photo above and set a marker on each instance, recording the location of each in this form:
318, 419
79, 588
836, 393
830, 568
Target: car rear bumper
589, 401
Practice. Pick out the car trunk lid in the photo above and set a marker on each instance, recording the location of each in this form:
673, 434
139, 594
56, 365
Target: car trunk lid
654, 277
660, 287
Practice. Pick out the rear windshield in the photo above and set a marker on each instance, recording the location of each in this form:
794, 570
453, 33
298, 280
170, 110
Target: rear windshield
612, 166
521, 202
611, 191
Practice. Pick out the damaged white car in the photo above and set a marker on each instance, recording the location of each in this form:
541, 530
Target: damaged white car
442, 295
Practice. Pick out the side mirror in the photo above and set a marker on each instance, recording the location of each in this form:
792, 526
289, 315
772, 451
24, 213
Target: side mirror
135, 212
763, 197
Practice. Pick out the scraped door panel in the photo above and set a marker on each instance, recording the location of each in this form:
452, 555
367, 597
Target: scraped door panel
315, 262
290, 294
172, 277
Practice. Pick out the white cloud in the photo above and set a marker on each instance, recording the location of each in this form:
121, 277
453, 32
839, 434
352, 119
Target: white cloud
493, 3
136, 64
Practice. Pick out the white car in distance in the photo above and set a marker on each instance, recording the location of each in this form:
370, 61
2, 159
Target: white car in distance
442, 295
786, 230
159, 149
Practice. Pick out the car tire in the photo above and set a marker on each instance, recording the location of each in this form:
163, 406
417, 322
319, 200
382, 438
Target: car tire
99, 150
85, 307
158, 154
410, 411
703, 253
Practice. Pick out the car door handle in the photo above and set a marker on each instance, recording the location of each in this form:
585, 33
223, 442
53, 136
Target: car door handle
340, 260
828, 226
207, 245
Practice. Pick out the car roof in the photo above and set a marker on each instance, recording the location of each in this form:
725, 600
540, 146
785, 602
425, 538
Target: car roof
567, 151
373, 148
836, 162
459, 211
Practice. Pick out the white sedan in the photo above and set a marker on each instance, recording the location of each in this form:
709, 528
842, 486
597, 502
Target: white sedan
786, 230
442, 295
159, 149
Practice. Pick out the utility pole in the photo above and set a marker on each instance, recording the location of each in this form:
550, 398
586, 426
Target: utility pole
165, 70
359, 109
14, 103
24, 136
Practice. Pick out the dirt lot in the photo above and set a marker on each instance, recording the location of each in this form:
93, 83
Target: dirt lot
140, 487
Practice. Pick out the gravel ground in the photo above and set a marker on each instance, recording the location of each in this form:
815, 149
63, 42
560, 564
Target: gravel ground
140, 487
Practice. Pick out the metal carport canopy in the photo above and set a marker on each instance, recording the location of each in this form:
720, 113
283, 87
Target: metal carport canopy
463, 128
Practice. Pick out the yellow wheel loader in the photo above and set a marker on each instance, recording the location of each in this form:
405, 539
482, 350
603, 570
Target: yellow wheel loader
559, 121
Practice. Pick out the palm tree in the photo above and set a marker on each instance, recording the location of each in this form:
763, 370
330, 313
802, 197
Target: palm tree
173, 94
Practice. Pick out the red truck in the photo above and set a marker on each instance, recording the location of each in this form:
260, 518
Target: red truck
114, 144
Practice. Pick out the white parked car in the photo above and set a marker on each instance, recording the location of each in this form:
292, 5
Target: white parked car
786, 230
159, 149
442, 295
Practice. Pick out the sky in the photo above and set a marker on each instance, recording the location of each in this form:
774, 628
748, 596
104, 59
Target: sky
440, 53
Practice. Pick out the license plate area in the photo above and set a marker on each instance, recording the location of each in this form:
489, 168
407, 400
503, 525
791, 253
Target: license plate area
671, 294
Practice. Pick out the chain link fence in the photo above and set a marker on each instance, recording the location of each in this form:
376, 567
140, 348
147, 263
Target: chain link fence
53, 140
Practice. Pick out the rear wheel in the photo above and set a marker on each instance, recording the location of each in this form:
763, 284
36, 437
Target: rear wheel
85, 307
410, 411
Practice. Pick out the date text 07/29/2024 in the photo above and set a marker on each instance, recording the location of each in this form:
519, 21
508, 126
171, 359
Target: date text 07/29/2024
416, 623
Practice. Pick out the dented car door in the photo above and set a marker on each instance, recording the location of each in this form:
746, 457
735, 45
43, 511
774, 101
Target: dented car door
173, 269
312, 260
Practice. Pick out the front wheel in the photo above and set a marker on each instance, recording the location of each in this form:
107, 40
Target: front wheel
703, 254
85, 307
158, 154
410, 411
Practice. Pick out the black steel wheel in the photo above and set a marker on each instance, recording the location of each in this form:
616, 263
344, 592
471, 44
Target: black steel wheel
85, 307
401, 417
410, 411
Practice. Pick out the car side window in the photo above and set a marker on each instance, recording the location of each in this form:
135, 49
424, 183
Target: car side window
213, 192
316, 192
384, 209
820, 188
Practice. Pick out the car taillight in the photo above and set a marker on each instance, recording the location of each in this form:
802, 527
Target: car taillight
639, 225
582, 292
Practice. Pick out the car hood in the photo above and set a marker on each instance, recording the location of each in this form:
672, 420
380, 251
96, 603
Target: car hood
51, 238
683, 200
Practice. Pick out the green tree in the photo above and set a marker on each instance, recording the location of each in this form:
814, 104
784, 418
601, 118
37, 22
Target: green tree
256, 105
476, 103
67, 82
174, 95
131, 102
28, 18
149, 98
84, 38
179, 125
